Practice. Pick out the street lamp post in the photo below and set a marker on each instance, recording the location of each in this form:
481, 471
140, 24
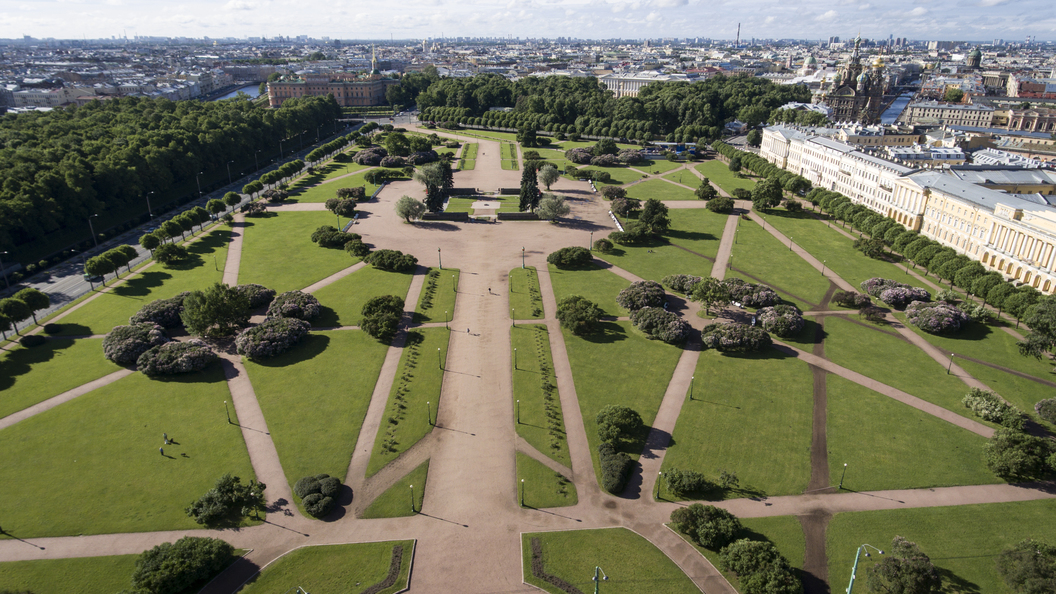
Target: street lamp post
522, 258
428, 412
91, 227
229, 181
439, 361
280, 150
149, 209
228, 411
439, 259
591, 245
692, 380
412, 499
598, 571
843, 475
823, 267
256, 163
950, 366
514, 353
198, 183
518, 412
522, 492
854, 568
659, 476
790, 243
6, 281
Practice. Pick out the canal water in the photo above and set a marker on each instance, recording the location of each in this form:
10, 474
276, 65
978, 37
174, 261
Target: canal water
891, 114
252, 90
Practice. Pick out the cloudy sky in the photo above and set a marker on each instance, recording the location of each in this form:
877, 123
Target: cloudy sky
973, 20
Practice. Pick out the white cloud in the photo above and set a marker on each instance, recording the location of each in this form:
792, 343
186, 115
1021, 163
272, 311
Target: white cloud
769, 20
828, 16
671, 3
988, 3
917, 12
239, 5
653, 17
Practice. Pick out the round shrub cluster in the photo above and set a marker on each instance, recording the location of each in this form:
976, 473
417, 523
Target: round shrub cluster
329, 236
631, 156
163, 312
295, 304
391, 260
176, 357
749, 295
782, 320
318, 493
370, 156
125, 344
851, 299
735, 338
707, 525
423, 157
393, 161
579, 156
32, 340
604, 161
1046, 409
680, 283
936, 318
641, 294
603, 245
258, 295
876, 285
660, 324
899, 297
615, 467
568, 257
990, 407
273, 337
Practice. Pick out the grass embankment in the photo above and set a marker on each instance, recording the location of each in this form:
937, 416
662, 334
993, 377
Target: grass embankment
525, 296
438, 295
541, 487
537, 402
395, 502
335, 568
32, 375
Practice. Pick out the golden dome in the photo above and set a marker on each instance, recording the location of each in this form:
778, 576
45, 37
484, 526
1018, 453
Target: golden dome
879, 63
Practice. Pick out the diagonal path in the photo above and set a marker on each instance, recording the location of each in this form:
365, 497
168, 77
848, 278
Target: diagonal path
63, 398
234, 251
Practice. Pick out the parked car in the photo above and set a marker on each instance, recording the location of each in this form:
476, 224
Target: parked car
93, 279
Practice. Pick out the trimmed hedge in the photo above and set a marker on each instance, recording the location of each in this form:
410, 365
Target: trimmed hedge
176, 357
125, 344
275, 336
295, 304
615, 468
318, 493
391, 260
735, 338
163, 312
258, 295
570, 257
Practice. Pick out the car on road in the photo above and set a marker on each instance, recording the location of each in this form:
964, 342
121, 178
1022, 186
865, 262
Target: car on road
93, 279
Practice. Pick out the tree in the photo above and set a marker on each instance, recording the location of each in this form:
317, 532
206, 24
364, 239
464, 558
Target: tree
735, 164
432, 177
711, 292
721, 204
396, 143
548, 174
1041, 319
232, 199
99, 266
14, 310
874, 248
953, 95
409, 208
215, 206
709, 526
150, 242
654, 217
529, 195
617, 422
705, 191
35, 300
170, 568
613, 192
220, 310
526, 135
605, 146
228, 499
342, 207
570, 257
578, 314
755, 137
381, 316
166, 254
1029, 567
905, 570
552, 207
766, 194
1014, 455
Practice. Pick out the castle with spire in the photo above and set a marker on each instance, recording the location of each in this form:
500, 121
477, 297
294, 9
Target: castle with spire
857, 92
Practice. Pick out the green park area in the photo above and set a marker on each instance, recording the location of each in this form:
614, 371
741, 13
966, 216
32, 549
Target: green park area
541, 486
688, 247
85, 575
593, 282
32, 375
659, 166
784, 532
278, 252
525, 295
468, 160
397, 500
758, 256
537, 402
658, 189
466, 204
719, 174
631, 563
334, 569
343, 300
311, 189
436, 303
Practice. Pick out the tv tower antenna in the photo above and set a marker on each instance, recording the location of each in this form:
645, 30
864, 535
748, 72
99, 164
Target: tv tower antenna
738, 42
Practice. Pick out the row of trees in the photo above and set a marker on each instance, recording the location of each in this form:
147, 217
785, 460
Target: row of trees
677, 111
60, 167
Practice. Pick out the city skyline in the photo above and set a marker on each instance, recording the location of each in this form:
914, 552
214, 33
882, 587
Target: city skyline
978, 20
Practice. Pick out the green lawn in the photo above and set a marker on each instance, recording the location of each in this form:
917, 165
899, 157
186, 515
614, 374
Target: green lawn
836, 250
468, 160
509, 165
86, 575
720, 175
419, 380
1021, 392
594, 283
114, 307
341, 368
750, 415
619, 175
525, 296
694, 233
618, 365
632, 563
697, 229
340, 169
103, 449
660, 190
764, 257
962, 541
888, 445
541, 487
508, 152
32, 375
395, 502
685, 177
785, 532
312, 190
459, 204
334, 569
895, 362
343, 300
278, 252
438, 296
540, 418
661, 166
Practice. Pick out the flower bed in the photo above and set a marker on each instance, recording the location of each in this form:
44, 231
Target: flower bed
176, 357
275, 336
125, 344
936, 318
295, 304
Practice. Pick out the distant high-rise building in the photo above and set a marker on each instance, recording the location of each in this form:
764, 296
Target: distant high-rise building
833, 40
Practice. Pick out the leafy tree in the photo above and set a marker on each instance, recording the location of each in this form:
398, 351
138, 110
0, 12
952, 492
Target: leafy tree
721, 205
170, 229
215, 206
167, 253
625, 207
997, 295
35, 300
905, 570
5, 324
149, 241
553, 207
1029, 567
711, 292
1014, 455
227, 499
578, 314
99, 266
1019, 302
432, 177
526, 135
381, 316
755, 137
735, 164
220, 310
170, 568
343, 208
605, 146
953, 95
1041, 319
408, 208
548, 174
14, 310
529, 196
617, 422
654, 217
613, 192
396, 143
709, 526
874, 248
232, 199
705, 191
570, 257
766, 194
